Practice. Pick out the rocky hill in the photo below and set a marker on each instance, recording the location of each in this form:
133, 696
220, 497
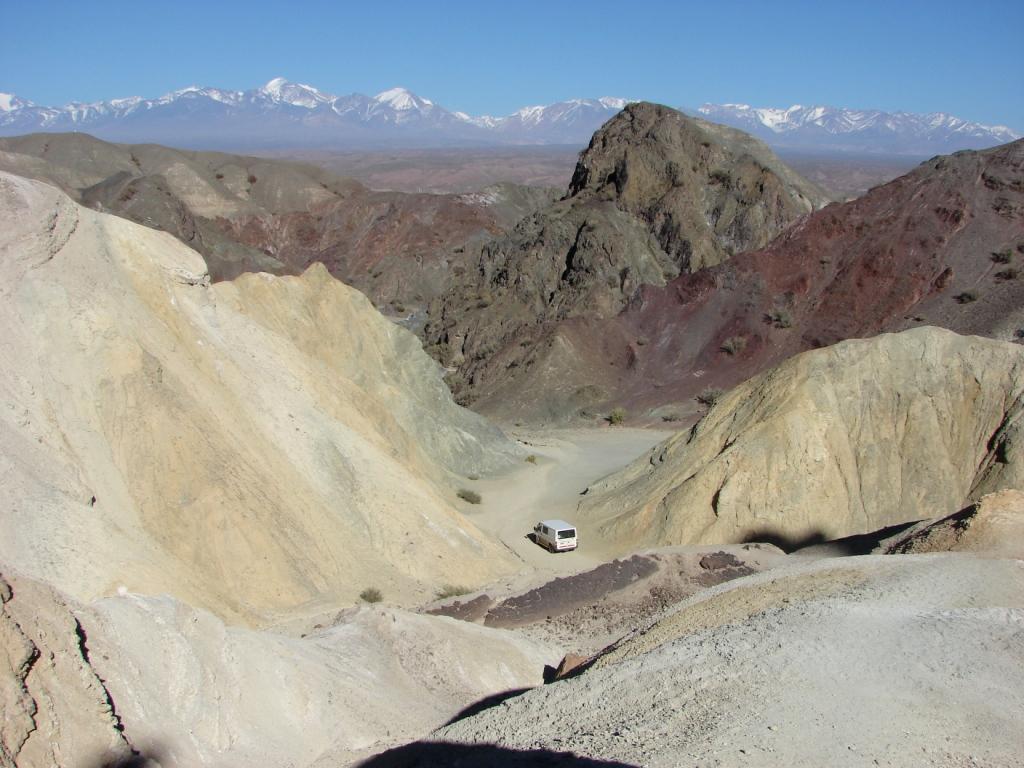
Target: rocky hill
942, 245
838, 441
247, 446
655, 195
248, 214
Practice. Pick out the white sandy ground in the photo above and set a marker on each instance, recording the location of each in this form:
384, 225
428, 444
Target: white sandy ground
568, 460
891, 661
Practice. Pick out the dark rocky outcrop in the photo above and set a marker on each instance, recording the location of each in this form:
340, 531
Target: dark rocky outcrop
655, 195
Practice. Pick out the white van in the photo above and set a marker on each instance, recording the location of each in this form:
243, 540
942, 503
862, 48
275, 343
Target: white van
555, 535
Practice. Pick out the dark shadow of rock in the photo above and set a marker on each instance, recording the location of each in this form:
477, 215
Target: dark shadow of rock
486, 703
847, 546
434, 754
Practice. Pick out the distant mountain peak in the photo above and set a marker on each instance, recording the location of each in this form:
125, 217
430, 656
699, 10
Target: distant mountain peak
9, 102
865, 130
402, 99
296, 94
283, 113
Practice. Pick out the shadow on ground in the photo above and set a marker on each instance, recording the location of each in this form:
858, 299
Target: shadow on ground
148, 758
860, 544
426, 754
486, 703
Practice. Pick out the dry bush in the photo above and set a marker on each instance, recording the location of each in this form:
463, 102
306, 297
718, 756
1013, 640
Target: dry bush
710, 395
617, 416
451, 590
470, 496
734, 345
371, 595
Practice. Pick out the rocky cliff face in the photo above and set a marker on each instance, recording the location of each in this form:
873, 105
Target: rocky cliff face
247, 214
943, 245
247, 446
655, 195
838, 441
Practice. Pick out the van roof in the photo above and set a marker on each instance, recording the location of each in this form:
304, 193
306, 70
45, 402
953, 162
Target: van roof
557, 524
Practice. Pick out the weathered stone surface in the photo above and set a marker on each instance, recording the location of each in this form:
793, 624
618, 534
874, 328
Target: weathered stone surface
55, 709
833, 442
247, 446
993, 525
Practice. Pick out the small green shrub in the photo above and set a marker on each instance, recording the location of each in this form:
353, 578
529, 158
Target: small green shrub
710, 395
371, 595
1007, 274
470, 496
532, 459
617, 416
780, 318
966, 297
219, 176
671, 417
1002, 257
450, 590
252, 179
734, 345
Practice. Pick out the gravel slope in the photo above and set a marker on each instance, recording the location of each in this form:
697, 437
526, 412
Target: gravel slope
894, 661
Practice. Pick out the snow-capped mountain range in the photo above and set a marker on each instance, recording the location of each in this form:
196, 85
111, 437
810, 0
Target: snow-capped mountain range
287, 114
283, 113
852, 130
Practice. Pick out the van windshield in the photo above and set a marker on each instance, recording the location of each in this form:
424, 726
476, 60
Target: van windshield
569, 533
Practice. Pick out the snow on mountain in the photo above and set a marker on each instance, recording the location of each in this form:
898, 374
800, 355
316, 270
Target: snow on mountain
284, 113
871, 130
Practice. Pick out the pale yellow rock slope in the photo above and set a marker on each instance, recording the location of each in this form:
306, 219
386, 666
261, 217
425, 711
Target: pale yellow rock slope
993, 527
248, 447
833, 442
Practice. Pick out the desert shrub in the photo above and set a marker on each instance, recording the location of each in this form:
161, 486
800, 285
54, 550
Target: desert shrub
1007, 274
472, 477
1019, 334
450, 590
1002, 257
399, 306
371, 595
467, 495
734, 345
966, 297
641, 341
617, 416
1020, 247
219, 176
721, 177
671, 417
252, 179
709, 396
780, 318
532, 459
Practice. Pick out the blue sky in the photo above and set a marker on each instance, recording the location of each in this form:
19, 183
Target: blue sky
965, 58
